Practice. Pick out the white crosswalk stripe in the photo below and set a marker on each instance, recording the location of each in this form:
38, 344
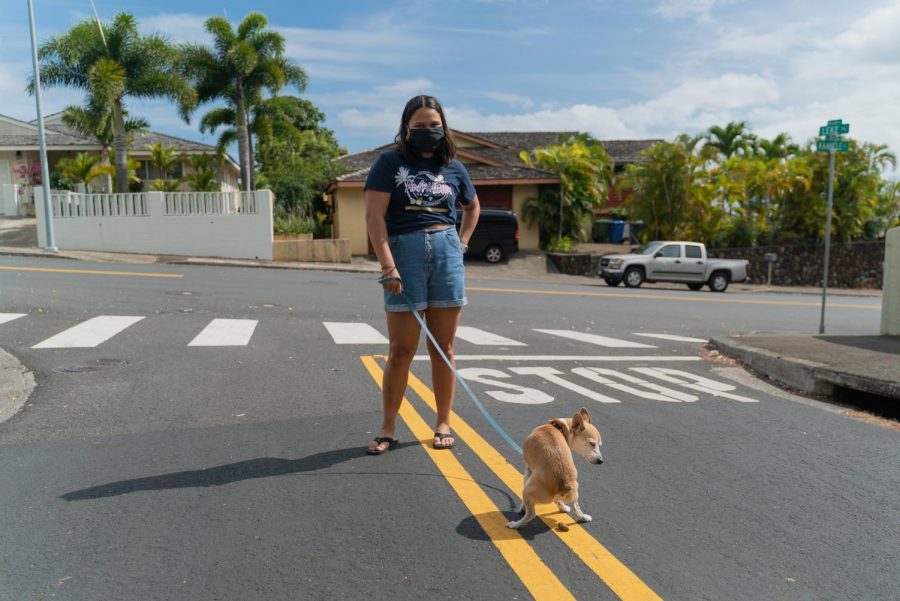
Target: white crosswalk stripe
90, 333
595, 339
354, 333
671, 337
5, 317
226, 332
484, 338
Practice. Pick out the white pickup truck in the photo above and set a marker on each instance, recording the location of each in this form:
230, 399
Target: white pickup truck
672, 262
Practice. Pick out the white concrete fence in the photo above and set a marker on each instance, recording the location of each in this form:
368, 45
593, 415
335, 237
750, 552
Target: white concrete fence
199, 224
10, 203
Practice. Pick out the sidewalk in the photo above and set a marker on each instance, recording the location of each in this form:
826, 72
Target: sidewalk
818, 364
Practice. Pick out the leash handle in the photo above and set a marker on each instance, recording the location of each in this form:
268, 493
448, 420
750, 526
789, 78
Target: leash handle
465, 385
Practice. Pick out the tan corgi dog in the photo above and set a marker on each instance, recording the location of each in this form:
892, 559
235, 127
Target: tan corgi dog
550, 474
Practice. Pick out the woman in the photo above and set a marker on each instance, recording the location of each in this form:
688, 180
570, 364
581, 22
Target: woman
411, 197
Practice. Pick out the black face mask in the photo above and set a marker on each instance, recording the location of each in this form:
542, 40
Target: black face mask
426, 139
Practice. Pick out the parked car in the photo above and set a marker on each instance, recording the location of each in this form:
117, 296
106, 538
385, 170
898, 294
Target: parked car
495, 237
662, 261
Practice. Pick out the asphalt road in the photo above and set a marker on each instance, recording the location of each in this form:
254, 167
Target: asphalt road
148, 467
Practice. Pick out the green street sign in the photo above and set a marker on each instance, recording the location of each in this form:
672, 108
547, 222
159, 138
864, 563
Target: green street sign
837, 129
835, 122
832, 145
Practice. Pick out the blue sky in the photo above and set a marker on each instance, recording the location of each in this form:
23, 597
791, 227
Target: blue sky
616, 68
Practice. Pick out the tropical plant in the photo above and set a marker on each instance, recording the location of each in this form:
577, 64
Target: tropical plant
203, 173
112, 62
779, 147
296, 155
166, 159
97, 123
585, 170
671, 193
83, 168
291, 225
734, 138
240, 65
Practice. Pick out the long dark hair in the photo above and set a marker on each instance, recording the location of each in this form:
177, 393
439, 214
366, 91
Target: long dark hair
445, 153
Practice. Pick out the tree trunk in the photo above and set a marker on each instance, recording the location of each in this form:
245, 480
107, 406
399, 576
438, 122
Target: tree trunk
104, 160
252, 159
243, 141
121, 149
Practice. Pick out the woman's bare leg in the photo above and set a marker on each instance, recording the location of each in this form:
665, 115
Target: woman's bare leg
403, 333
442, 322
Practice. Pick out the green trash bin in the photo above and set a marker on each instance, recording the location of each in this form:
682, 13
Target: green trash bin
600, 232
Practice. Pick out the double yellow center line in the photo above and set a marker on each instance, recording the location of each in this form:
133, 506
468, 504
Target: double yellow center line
540, 581
93, 272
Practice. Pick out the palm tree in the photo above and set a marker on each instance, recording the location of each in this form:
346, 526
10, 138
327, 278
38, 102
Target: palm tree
203, 172
112, 62
734, 138
879, 156
97, 123
779, 147
236, 69
82, 168
165, 158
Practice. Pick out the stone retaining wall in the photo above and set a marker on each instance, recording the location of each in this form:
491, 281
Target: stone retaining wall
854, 265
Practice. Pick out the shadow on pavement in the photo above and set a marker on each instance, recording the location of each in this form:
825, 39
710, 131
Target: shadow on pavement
263, 467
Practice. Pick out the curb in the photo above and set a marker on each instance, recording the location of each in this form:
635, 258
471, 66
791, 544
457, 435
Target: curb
16, 385
798, 374
807, 376
294, 266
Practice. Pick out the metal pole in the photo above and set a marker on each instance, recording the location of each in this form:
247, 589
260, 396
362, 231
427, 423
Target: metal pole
45, 169
827, 239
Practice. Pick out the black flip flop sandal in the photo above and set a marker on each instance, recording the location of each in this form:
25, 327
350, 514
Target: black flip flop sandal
392, 444
442, 437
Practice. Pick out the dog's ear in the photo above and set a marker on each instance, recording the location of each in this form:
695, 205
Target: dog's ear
585, 415
577, 422
561, 425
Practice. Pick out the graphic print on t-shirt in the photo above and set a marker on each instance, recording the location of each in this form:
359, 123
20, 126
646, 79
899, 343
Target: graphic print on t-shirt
424, 190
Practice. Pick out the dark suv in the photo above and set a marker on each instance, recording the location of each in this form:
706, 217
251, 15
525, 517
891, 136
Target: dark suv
496, 236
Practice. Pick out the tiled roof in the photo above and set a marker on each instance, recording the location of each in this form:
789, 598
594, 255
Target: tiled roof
511, 145
139, 143
52, 138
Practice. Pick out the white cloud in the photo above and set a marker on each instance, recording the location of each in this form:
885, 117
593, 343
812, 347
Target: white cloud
511, 99
692, 103
874, 36
676, 9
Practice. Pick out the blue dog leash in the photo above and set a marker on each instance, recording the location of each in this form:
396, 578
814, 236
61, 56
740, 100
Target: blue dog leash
465, 385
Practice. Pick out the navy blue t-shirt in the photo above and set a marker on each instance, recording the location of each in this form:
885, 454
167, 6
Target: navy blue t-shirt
422, 194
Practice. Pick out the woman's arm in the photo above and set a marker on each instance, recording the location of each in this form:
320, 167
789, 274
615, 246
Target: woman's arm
376, 208
470, 215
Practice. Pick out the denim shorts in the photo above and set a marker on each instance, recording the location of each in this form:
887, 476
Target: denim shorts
431, 269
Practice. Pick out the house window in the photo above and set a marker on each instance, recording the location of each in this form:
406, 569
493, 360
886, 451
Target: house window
499, 197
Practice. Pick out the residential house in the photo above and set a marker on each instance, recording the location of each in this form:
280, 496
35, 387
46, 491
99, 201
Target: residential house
493, 160
19, 146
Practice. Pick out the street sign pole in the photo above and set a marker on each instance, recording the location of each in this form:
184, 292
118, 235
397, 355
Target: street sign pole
827, 239
45, 170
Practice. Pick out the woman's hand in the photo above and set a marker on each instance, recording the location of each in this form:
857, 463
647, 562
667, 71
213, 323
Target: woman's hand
394, 286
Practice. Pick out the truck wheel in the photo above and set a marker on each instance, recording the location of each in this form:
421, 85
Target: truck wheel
612, 282
718, 281
695, 287
634, 277
493, 254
